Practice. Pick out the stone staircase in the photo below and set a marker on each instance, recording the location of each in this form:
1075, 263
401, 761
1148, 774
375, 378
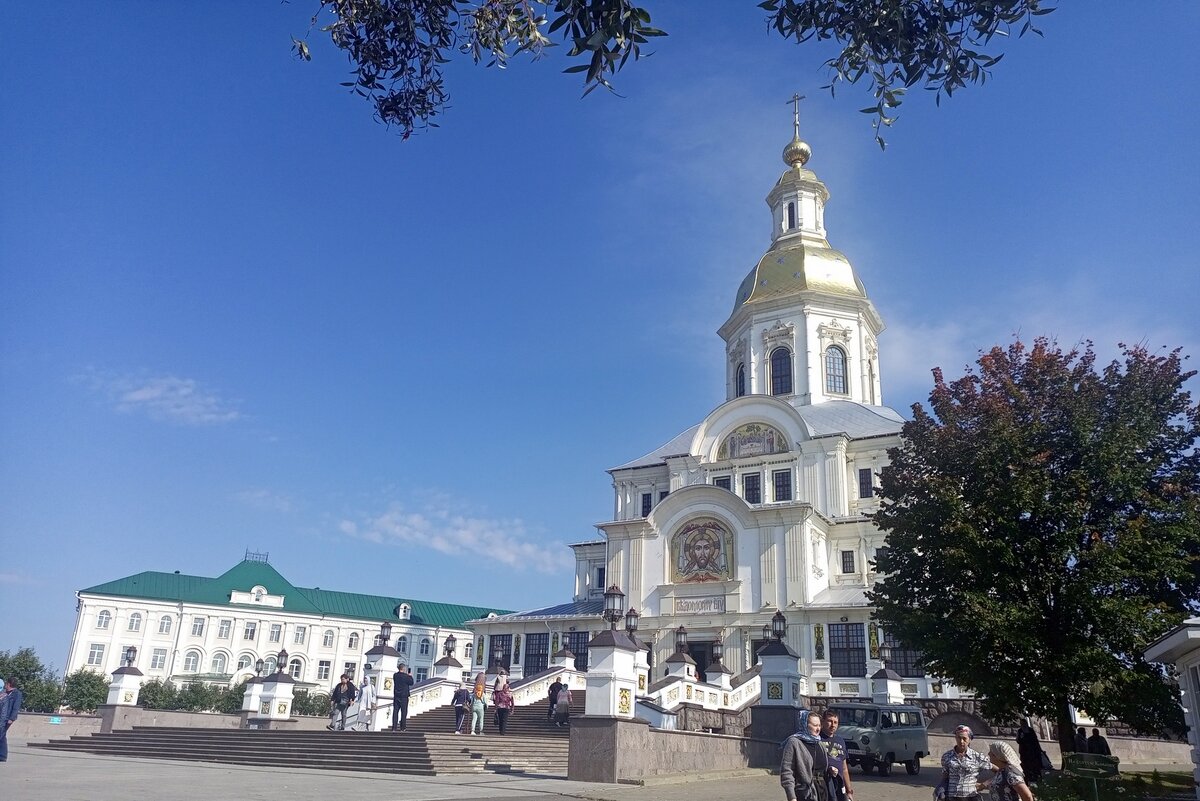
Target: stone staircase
427, 748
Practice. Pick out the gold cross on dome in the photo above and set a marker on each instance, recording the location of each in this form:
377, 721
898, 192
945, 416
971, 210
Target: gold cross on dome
796, 98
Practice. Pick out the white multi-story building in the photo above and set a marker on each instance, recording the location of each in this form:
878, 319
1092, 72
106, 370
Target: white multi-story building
192, 628
762, 506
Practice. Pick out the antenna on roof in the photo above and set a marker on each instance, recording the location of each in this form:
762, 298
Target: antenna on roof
255, 556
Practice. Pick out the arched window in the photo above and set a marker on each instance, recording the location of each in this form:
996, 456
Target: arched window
135, 621
791, 215
467, 649
402, 645
103, 619
781, 371
835, 370
426, 646
739, 381
244, 662
327, 640
353, 644
191, 662
218, 663
296, 668
270, 665
164, 624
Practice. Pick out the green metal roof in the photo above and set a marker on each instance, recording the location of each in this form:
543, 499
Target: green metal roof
302, 600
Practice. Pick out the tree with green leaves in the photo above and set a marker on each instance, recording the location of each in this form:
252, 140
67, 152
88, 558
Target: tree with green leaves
397, 47
85, 690
1043, 522
158, 694
40, 687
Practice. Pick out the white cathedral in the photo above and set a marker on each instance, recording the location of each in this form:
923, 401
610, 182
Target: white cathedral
761, 506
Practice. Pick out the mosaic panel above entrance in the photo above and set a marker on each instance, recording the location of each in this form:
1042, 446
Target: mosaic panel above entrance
701, 551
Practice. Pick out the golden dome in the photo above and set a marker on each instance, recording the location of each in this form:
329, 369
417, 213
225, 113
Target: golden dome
797, 153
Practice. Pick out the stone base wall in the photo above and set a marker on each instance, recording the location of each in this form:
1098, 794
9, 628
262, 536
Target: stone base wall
695, 718
126, 717
613, 750
39, 726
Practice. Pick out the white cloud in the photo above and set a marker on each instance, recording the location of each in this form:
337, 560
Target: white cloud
168, 398
266, 500
506, 542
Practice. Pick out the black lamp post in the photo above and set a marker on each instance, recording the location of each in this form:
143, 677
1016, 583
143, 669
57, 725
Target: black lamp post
778, 626
498, 658
681, 643
614, 602
449, 645
283, 655
385, 632
631, 621
130, 656
718, 647
258, 667
766, 631
885, 654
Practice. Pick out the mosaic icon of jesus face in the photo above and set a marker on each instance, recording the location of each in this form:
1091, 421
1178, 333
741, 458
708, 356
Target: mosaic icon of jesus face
701, 552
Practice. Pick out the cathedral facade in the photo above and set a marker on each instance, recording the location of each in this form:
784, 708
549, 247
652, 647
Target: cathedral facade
762, 506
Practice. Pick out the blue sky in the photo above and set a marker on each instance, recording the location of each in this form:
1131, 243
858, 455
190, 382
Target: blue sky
236, 313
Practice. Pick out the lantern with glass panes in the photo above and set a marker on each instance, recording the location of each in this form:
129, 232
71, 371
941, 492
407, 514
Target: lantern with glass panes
614, 602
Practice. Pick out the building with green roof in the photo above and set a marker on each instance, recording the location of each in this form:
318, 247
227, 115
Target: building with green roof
195, 628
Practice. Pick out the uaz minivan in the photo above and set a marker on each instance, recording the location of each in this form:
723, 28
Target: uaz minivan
880, 735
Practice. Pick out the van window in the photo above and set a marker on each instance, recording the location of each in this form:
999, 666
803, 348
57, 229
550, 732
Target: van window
886, 721
856, 716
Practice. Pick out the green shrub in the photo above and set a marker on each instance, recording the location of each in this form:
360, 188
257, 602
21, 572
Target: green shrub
84, 690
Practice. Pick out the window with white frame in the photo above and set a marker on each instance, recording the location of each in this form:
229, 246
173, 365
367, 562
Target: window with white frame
96, 654
197, 627
191, 662
724, 482
244, 662
103, 619
422, 674
323, 669
402, 645
301, 633
352, 644
835, 371
866, 482
468, 648
327, 639
752, 488
219, 663
135, 621
224, 629
296, 668
276, 632
426, 646
349, 669
782, 480
251, 631
781, 371
270, 665
164, 624
158, 659
847, 561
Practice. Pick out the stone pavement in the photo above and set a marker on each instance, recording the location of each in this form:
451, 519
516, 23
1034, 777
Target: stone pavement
33, 774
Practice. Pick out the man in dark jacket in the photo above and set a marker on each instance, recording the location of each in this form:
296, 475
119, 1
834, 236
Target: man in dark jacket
1081, 743
9, 708
1097, 744
554, 688
343, 696
402, 682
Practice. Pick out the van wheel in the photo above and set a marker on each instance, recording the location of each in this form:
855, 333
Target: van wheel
867, 764
913, 766
885, 767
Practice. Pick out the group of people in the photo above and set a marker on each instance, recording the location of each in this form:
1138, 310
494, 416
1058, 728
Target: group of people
814, 761
345, 694
471, 702
962, 767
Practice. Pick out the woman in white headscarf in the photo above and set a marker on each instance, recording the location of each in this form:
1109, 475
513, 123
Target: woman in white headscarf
366, 704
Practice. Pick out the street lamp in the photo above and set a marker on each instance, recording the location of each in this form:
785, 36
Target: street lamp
385, 632
885, 654
681, 643
283, 655
718, 647
631, 620
614, 601
448, 646
258, 667
778, 626
766, 631
498, 658
130, 655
